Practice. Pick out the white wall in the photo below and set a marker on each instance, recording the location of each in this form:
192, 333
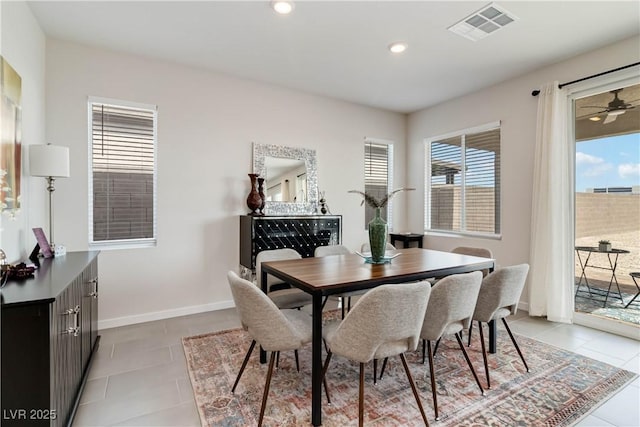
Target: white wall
511, 103
22, 44
206, 123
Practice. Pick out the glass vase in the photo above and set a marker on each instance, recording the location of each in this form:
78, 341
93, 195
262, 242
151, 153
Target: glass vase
377, 237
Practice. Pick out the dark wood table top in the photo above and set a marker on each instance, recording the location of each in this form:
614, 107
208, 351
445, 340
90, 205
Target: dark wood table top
341, 273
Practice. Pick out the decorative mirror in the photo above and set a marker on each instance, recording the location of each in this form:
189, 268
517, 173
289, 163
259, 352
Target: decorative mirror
291, 180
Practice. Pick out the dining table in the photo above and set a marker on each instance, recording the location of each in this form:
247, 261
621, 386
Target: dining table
325, 276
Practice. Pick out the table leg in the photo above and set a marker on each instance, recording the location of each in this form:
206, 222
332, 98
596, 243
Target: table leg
493, 336
583, 266
316, 362
264, 287
613, 266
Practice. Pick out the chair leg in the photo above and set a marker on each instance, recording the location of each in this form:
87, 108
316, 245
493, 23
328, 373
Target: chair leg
375, 371
277, 359
266, 387
348, 304
361, 397
324, 302
515, 343
324, 376
244, 365
423, 350
484, 355
297, 361
342, 305
432, 373
384, 365
435, 348
470, 330
466, 356
413, 388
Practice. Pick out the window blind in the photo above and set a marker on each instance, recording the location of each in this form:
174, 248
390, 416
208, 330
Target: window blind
464, 182
377, 166
123, 170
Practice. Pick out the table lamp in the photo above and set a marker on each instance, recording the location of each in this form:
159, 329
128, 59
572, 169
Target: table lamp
51, 162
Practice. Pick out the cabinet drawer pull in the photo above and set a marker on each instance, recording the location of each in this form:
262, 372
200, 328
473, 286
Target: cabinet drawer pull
75, 329
94, 292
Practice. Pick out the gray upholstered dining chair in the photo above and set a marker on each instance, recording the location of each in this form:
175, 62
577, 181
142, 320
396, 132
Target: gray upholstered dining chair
322, 251
274, 329
385, 322
284, 296
479, 252
451, 305
366, 247
499, 296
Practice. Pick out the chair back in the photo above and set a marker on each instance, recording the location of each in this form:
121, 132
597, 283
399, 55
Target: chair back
500, 292
385, 322
261, 318
479, 252
273, 255
331, 250
366, 247
451, 305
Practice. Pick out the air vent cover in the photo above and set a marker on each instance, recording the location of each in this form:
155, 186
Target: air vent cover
485, 21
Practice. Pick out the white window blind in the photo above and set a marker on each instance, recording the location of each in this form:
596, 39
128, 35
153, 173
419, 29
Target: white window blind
463, 182
123, 174
378, 161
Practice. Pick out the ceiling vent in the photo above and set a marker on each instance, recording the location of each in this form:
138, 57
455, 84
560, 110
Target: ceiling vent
485, 21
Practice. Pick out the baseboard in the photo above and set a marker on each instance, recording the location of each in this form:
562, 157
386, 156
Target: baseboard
165, 314
524, 306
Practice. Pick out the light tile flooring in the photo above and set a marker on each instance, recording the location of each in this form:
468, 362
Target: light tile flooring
139, 377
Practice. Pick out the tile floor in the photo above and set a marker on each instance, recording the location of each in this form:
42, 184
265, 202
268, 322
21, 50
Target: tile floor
139, 376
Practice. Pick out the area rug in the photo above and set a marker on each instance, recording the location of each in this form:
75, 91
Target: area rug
615, 308
561, 388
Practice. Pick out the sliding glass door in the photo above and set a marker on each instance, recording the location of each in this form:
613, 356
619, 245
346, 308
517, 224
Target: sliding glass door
607, 207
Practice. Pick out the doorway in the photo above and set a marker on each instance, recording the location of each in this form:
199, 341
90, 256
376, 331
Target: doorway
607, 209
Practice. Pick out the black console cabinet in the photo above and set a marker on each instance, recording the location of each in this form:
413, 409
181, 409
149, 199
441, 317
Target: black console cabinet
303, 233
49, 335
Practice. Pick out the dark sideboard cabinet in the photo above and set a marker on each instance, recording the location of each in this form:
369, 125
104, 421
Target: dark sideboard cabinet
49, 327
303, 233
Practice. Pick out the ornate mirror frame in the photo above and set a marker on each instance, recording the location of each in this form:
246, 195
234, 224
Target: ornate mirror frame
262, 151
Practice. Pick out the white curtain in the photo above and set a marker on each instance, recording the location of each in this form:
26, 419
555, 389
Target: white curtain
551, 275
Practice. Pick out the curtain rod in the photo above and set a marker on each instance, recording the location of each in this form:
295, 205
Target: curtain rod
560, 86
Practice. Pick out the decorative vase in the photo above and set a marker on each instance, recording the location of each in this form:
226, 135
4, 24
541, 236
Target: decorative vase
377, 237
253, 200
263, 198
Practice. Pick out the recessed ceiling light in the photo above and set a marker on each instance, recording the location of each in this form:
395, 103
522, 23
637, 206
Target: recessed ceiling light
398, 47
282, 7
595, 119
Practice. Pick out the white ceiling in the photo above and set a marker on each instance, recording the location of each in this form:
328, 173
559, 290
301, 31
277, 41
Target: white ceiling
339, 48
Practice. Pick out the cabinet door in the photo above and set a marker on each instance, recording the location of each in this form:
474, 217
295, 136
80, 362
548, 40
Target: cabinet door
89, 324
66, 349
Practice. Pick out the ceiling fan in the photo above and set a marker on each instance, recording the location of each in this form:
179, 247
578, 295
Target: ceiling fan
615, 108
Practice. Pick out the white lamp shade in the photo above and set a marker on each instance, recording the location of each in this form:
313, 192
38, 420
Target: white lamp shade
49, 160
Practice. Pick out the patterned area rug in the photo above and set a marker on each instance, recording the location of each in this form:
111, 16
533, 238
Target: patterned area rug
615, 308
561, 388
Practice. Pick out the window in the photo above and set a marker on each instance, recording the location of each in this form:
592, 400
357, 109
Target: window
378, 172
463, 181
122, 174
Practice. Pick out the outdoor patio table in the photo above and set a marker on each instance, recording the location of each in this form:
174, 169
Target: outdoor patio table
612, 257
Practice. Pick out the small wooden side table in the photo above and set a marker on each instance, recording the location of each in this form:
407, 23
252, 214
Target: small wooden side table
406, 238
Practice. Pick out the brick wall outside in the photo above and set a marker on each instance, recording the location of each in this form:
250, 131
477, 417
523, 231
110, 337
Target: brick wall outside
446, 214
122, 206
600, 214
